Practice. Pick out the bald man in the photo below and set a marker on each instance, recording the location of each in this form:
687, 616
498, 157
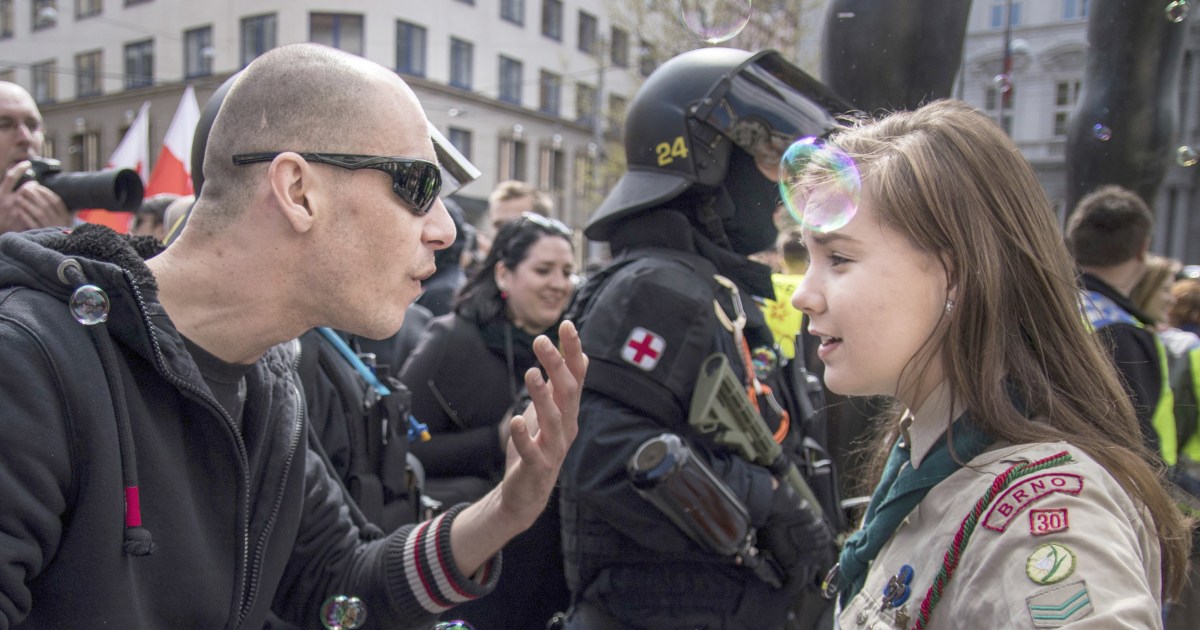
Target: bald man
22, 132
154, 470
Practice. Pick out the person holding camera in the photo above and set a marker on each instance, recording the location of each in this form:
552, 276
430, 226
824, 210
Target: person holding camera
24, 205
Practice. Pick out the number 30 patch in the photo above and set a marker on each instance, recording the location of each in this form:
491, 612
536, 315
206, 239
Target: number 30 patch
1047, 521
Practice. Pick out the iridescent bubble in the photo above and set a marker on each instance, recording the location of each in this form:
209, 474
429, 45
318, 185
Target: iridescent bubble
1102, 133
89, 305
715, 21
457, 624
1177, 11
1003, 82
764, 360
1186, 156
343, 613
820, 185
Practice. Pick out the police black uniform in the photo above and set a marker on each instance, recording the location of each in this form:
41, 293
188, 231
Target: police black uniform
680, 223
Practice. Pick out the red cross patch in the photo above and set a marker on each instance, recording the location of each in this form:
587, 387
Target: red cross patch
643, 348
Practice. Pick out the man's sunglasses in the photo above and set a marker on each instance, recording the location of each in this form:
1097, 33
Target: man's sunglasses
416, 182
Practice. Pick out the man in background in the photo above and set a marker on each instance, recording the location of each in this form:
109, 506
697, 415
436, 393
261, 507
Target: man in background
511, 199
150, 218
27, 205
1109, 235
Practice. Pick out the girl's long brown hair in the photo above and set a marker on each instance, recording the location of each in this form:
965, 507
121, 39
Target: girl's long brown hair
948, 178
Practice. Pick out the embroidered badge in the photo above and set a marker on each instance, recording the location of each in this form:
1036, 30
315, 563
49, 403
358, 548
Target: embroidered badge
643, 348
1050, 563
1060, 605
1021, 494
1042, 522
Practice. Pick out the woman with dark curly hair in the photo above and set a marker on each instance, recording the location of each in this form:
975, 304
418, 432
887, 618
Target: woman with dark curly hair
466, 378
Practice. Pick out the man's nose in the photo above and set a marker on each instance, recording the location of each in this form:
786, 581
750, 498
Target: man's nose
439, 227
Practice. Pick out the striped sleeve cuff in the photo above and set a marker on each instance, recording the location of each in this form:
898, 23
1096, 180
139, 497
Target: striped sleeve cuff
427, 567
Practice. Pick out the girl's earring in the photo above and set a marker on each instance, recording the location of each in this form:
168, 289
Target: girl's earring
949, 306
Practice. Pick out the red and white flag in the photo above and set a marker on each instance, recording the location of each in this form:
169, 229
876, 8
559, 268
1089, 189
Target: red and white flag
133, 153
173, 170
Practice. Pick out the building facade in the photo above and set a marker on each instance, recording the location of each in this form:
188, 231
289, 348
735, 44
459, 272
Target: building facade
1049, 54
526, 89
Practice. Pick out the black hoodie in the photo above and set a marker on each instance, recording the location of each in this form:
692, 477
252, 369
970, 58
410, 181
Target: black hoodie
99, 418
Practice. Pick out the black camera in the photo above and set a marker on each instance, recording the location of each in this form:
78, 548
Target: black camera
110, 189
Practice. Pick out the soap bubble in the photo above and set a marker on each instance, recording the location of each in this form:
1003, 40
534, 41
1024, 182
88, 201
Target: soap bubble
1186, 156
1102, 133
715, 21
1177, 11
343, 613
89, 305
820, 185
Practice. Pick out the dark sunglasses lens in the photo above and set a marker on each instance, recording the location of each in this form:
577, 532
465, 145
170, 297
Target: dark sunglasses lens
417, 183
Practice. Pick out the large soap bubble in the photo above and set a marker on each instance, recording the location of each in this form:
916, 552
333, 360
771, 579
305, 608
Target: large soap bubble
820, 185
715, 21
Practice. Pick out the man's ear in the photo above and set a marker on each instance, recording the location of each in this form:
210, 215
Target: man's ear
1144, 250
291, 184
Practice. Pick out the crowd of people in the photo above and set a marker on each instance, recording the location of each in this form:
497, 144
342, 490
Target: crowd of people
317, 381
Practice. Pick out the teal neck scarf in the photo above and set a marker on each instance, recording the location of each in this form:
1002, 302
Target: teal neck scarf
899, 491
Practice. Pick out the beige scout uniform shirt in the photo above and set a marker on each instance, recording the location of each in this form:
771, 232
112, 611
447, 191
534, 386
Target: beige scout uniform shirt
1061, 547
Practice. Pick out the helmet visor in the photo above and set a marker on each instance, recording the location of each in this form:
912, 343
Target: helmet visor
457, 170
766, 104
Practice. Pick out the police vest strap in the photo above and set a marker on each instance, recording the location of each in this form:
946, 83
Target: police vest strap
1100, 312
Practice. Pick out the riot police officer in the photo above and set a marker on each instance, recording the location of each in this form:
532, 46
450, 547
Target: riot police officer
704, 138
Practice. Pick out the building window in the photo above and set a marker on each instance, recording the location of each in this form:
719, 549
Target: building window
510, 80
512, 159
552, 19
8, 74
87, 73
1075, 9
462, 63
991, 104
44, 83
343, 31
617, 105
513, 11
461, 139
6, 18
999, 7
620, 47
585, 103
85, 151
139, 64
198, 52
258, 36
45, 14
87, 8
550, 93
647, 59
132, 2
1066, 94
587, 33
410, 48
552, 169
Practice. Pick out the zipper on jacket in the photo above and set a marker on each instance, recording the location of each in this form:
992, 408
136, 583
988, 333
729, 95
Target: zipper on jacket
256, 561
243, 578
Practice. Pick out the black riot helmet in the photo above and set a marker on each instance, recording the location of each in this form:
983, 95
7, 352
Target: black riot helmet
695, 110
